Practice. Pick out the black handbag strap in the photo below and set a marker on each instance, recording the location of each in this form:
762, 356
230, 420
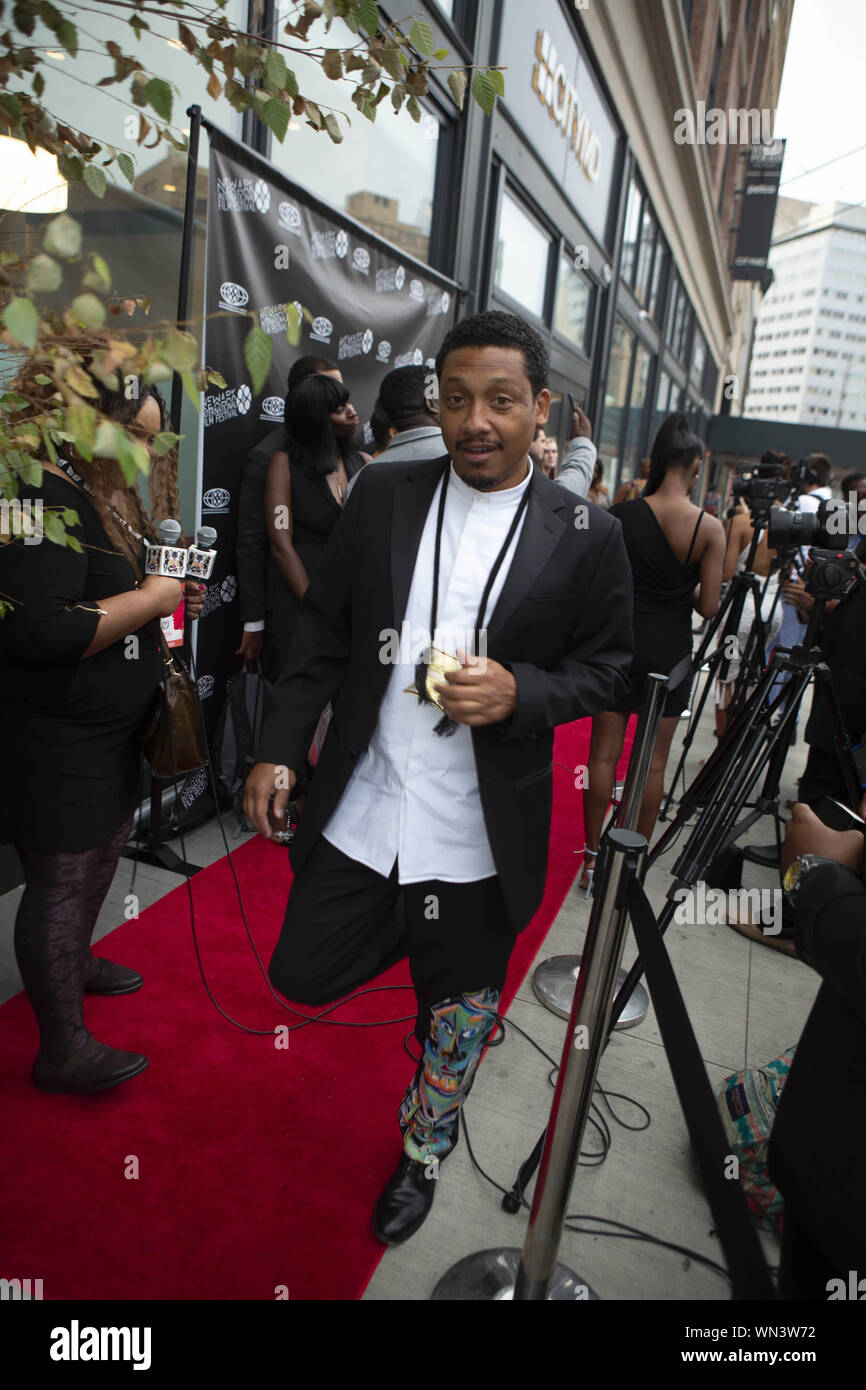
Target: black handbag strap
750, 1277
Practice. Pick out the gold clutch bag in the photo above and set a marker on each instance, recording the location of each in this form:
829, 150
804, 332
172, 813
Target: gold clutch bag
438, 662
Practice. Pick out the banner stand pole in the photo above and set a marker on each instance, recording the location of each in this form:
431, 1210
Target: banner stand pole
153, 850
553, 980
534, 1274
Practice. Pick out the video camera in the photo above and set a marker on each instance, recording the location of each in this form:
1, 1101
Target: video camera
759, 485
825, 527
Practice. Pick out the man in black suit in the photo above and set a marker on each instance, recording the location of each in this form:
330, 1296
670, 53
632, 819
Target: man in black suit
426, 829
819, 1136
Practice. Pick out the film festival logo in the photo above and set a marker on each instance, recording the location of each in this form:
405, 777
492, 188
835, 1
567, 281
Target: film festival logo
438, 303
321, 329
226, 405
243, 195
354, 344
328, 246
390, 278
233, 298
383, 354
274, 318
415, 358
204, 686
416, 291
361, 260
290, 218
274, 409
217, 500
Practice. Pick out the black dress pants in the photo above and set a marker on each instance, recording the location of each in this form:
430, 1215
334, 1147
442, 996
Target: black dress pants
345, 923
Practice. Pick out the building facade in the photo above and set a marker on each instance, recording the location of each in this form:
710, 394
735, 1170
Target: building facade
809, 360
577, 203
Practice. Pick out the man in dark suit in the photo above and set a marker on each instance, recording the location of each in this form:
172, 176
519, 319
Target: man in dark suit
819, 1136
426, 829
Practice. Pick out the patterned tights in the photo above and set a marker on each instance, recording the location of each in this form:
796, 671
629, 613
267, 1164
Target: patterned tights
56, 917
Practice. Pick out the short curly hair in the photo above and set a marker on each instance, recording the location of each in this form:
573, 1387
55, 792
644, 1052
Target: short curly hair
496, 329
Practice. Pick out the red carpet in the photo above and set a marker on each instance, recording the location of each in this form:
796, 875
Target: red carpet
230, 1167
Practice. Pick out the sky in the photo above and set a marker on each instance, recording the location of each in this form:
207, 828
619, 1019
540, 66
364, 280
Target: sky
821, 102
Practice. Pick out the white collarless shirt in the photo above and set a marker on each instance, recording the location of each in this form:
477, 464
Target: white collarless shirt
413, 796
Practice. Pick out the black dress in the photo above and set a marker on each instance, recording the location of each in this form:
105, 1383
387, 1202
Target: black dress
69, 759
315, 512
663, 593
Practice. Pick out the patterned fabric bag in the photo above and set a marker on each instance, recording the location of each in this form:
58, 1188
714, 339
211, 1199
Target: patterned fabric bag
747, 1102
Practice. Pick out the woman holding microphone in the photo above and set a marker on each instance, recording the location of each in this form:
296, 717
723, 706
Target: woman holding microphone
80, 664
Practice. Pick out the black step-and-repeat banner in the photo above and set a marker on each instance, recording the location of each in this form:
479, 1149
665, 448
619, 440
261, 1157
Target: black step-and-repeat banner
362, 303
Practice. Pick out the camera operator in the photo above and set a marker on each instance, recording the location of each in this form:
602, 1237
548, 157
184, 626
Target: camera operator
817, 1143
842, 640
813, 475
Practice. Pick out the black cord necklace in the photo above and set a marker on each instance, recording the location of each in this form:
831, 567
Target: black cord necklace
446, 725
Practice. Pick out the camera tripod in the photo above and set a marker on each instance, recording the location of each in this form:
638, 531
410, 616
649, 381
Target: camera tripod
726, 625
755, 742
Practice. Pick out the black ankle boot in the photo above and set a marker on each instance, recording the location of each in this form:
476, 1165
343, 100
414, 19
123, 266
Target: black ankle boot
405, 1201
105, 977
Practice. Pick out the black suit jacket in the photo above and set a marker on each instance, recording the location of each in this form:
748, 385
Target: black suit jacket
562, 624
818, 1142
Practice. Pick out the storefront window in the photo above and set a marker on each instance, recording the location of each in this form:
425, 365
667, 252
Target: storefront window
645, 256
631, 233
572, 317
634, 429
382, 173
522, 256
616, 395
656, 293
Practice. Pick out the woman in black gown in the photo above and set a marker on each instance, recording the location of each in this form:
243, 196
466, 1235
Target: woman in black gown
676, 551
79, 668
304, 493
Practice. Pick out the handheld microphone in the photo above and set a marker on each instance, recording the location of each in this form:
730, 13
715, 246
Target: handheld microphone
201, 556
167, 558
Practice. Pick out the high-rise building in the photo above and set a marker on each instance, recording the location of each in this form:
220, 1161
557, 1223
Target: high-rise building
809, 360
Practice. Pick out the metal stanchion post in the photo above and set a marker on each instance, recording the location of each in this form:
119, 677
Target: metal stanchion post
554, 979
535, 1274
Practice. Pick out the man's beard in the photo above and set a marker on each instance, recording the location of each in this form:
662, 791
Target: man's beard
482, 484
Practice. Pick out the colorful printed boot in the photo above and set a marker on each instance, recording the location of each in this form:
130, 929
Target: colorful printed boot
429, 1115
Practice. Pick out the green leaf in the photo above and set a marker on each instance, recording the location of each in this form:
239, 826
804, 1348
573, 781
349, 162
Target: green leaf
440, 54
276, 117
498, 80
293, 325
95, 179
191, 389
333, 129
276, 71
126, 165
63, 238
22, 321
38, 84
132, 456
179, 350
291, 83
163, 443
313, 115
421, 37
457, 87
67, 35
158, 93
98, 277
258, 349
89, 310
332, 63
414, 109
24, 18
71, 167
368, 16
44, 275
11, 105
484, 92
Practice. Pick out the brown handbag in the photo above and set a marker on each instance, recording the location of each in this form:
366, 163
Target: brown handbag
173, 740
